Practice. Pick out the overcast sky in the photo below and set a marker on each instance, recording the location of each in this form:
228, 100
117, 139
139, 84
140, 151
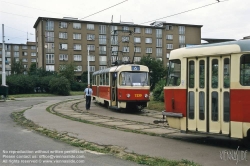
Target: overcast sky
227, 19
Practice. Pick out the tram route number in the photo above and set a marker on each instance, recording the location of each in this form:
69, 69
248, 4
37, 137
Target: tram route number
138, 95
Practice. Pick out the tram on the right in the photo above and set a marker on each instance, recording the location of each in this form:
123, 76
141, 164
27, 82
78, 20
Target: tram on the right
208, 89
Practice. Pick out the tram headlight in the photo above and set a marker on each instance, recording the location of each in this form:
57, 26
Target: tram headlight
146, 95
128, 95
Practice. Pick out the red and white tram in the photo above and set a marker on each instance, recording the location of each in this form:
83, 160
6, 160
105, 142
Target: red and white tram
208, 89
122, 87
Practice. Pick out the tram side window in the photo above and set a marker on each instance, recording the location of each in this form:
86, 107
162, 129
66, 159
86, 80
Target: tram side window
245, 70
107, 78
101, 79
174, 73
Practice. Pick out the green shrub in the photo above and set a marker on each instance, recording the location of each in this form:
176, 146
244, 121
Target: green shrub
59, 86
78, 86
20, 84
44, 83
158, 92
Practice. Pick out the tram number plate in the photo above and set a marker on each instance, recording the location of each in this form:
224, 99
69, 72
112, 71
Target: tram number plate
135, 68
138, 95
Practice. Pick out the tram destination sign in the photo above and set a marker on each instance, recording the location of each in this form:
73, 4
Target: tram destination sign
135, 68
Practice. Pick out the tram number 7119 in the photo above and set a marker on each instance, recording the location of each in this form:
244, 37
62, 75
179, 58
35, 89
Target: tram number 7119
138, 95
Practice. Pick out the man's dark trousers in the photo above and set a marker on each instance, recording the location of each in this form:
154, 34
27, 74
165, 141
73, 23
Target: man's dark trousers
88, 101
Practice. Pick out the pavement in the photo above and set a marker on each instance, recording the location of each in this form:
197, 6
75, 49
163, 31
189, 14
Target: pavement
154, 146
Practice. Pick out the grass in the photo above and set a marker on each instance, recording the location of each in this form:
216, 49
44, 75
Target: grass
155, 105
72, 93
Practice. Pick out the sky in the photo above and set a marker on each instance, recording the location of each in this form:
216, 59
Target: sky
227, 19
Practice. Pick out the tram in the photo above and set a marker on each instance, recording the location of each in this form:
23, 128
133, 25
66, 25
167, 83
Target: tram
124, 86
208, 89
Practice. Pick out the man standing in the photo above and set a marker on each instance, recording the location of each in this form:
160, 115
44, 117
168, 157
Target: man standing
88, 92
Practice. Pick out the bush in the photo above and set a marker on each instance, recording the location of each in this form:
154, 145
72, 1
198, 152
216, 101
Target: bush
59, 86
78, 86
21, 84
158, 92
44, 83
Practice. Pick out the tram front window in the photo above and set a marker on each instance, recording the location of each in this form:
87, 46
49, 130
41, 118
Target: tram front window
174, 73
134, 79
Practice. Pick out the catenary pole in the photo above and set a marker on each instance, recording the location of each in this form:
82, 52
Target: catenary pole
3, 60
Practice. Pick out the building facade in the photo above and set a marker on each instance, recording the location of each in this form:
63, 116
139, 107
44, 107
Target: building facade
69, 40
27, 53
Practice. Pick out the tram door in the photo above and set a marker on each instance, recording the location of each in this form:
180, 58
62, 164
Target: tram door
208, 94
113, 88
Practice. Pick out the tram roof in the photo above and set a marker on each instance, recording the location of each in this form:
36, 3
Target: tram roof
223, 48
114, 68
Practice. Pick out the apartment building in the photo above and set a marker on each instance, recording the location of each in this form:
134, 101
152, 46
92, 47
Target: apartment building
70, 40
27, 53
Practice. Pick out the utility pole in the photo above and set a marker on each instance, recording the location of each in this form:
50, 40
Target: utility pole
88, 67
3, 60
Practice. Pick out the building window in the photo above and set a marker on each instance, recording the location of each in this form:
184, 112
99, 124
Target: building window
137, 49
125, 28
33, 47
25, 66
33, 54
102, 60
77, 36
113, 30
158, 33
91, 47
125, 38
25, 60
148, 50
114, 50
16, 48
137, 30
114, 40
125, 49
78, 68
181, 30
102, 39
114, 58
50, 25
24, 53
49, 47
159, 52
125, 59
91, 68
63, 35
24, 47
90, 26
63, 25
181, 39
148, 40
77, 57
102, 49
16, 54
90, 37
169, 46
49, 36
102, 29
182, 45
63, 57
77, 47
16, 59
33, 59
77, 25
137, 39
50, 68
168, 55
148, 30
169, 37
159, 59
169, 27
137, 59
91, 58
50, 59
102, 67
63, 46
158, 42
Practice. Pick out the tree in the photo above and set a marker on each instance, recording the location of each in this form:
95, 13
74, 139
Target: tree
32, 69
84, 77
156, 68
68, 71
17, 67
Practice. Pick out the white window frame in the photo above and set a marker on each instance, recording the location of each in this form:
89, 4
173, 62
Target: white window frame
77, 36
169, 37
90, 37
137, 30
125, 39
24, 60
91, 26
33, 54
158, 42
91, 47
33, 59
181, 30
148, 40
125, 49
181, 39
102, 50
149, 50
137, 49
63, 25
77, 25
50, 67
159, 52
92, 58
102, 29
102, 39
169, 46
137, 59
23, 47
91, 68
63, 46
63, 57
77, 47
50, 59
148, 30
32, 47
63, 35
169, 27
78, 68
77, 58
49, 36
137, 40
167, 55
158, 33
